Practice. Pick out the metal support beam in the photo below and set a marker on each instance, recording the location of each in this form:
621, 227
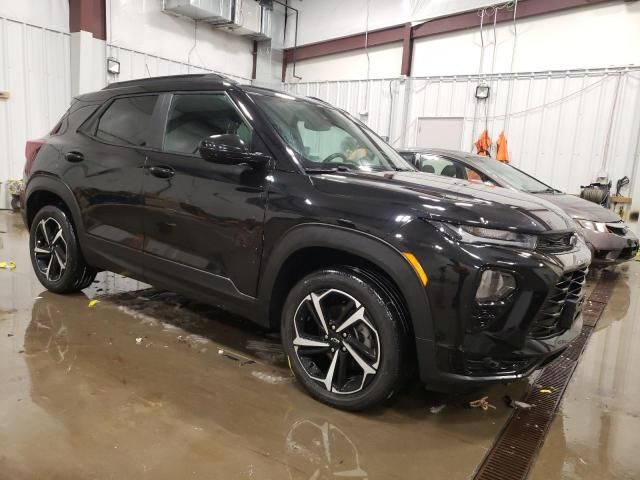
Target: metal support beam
449, 23
407, 50
88, 16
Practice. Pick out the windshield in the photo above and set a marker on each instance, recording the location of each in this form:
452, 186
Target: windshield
326, 138
512, 176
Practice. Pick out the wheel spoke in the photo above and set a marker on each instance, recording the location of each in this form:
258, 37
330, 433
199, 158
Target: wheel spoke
342, 369
56, 237
314, 316
328, 381
368, 369
357, 316
307, 342
43, 227
318, 311
62, 264
40, 250
49, 267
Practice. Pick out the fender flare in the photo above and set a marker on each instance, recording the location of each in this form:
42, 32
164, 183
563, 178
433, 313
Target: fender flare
50, 183
364, 245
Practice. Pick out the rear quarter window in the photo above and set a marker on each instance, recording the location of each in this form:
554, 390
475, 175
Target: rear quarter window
127, 121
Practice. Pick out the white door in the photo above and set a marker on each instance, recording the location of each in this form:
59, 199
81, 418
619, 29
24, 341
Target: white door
440, 132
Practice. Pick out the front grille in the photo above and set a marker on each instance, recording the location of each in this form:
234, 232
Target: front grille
556, 242
618, 228
563, 304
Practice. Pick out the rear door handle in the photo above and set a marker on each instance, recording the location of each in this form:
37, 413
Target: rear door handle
74, 157
162, 171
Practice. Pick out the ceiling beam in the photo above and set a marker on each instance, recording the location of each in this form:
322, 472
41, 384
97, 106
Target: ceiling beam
446, 24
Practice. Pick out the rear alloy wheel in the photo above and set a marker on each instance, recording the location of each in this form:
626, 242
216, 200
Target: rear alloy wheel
55, 252
50, 249
343, 340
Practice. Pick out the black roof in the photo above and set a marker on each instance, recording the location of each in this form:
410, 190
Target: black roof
197, 81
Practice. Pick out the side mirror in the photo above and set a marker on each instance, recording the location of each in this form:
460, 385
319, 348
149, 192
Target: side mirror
230, 149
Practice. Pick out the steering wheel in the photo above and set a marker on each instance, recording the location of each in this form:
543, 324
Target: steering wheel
334, 156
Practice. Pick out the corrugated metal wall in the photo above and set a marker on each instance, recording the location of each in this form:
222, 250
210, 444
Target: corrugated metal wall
135, 64
563, 127
34, 69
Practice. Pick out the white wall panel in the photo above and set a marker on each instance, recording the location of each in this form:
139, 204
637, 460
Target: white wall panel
34, 69
136, 64
53, 14
563, 127
141, 26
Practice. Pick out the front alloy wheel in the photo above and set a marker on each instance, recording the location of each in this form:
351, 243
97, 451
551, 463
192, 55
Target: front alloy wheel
343, 338
335, 342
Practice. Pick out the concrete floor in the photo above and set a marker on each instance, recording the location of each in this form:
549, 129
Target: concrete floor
147, 384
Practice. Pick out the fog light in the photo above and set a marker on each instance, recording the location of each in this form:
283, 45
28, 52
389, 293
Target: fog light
495, 285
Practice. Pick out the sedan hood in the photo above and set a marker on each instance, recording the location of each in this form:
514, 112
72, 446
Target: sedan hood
578, 207
449, 199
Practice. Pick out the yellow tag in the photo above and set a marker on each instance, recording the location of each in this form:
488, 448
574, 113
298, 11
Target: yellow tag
289, 362
11, 265
93, 303
3, 264
545, 390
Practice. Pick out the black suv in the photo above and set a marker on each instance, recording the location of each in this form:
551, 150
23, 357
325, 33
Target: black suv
290, 212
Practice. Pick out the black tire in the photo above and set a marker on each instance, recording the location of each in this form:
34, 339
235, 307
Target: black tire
342, 295
63, 269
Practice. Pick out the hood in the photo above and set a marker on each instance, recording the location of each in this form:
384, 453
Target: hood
577, 207
449, 199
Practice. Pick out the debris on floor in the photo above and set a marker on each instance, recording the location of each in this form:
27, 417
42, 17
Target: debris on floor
437, 409
271, 379
482, 403
546, 390
93, 303
138, 340
8, 265
509, 402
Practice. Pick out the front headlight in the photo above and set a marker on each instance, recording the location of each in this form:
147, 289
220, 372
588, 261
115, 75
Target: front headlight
595, 226
471, 234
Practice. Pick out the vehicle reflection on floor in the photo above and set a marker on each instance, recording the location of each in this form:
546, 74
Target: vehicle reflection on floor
148, 384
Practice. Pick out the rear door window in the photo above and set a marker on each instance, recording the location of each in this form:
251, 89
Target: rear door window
194, 117
127, 121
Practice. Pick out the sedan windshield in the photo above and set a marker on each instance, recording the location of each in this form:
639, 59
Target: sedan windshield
325, 138
512, 176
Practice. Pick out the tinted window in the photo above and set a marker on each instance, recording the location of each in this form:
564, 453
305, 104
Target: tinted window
195, 117
127, 121
441, 166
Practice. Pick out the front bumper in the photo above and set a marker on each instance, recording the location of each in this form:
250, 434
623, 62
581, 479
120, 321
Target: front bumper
472, 347
609, 248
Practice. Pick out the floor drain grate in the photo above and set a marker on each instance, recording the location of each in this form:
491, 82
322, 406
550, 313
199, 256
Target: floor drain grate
515, 449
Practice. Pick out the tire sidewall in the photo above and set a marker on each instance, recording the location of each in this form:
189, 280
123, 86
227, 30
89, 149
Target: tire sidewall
378, 313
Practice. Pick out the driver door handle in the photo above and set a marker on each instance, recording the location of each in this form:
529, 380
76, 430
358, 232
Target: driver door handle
161, 171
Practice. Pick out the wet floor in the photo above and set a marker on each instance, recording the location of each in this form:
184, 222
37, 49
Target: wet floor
147, 384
